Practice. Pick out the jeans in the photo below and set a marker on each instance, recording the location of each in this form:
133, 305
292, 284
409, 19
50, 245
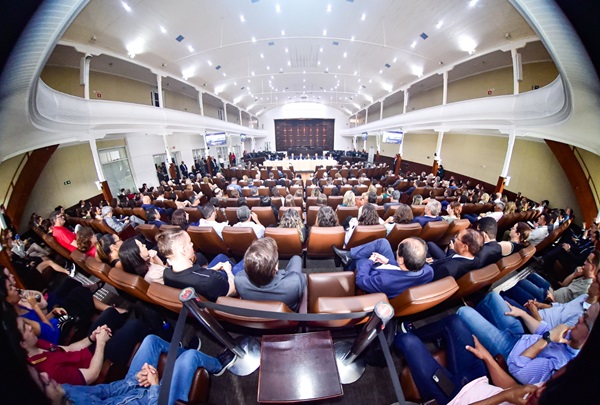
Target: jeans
235, 268
462, 366
496, 331
533, 287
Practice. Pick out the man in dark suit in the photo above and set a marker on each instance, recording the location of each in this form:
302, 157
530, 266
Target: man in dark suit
432, 213
183, 169
460, 258
395, 200
491, 251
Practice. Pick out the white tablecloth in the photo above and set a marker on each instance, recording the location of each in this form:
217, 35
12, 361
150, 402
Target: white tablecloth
301, 165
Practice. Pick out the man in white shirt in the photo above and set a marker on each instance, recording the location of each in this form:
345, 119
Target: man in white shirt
210, 219
540, 231
248, 218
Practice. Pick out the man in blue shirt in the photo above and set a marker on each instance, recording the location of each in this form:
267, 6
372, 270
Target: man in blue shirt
531, 358
379, 270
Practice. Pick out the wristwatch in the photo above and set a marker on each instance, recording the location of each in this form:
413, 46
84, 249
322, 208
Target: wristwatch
546, 337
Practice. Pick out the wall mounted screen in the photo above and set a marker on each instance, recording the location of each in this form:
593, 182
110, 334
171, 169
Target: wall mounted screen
304, 132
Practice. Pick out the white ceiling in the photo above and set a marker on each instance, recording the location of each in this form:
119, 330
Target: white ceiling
261, 67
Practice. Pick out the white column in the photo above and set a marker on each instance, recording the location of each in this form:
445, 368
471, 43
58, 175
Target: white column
405, 100
253, 143
354, 142
378, 140
445, 93
356, 119
438, 148
401, 146
240, 111
84, 75
509, 150
366, 115
517, 70
160, 93
96, 158
168, 153
225, 111
381, 111
205, 145
365, 144
201, 102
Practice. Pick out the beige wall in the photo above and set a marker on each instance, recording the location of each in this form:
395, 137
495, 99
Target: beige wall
540, 74
176, 101
592, 162
7, 171
63, 79
429, 98
72, 163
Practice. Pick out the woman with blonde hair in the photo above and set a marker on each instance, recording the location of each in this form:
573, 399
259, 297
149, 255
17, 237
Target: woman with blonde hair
291, 219
349, 199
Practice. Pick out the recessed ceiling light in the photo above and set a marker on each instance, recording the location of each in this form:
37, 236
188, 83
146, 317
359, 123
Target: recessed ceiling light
304, 80
289, 63
209, 63
190, 48
473, 2
253, 39
352, 38
282, 32
324, 32
321, 49
268, 68
252, 73
262, 56
439, 24
235, 83
380, 71
163, 29
278, 8
271, 76
363, 16
345, 54
339, 67
329, 8
286, 50
126, 6
413, 44
224, 74
318, 63
242, 19
304, 72
395, 59
355, 73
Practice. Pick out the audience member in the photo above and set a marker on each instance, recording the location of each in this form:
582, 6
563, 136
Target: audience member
248, 218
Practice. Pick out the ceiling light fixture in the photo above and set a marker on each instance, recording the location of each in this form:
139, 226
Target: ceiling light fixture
278, 8
352, 38
163, 29
190, 48
282, 32
439, 24
209, 63
289, 63
286, 50
262, 56
414, 43
321, 49
324, 33
395, 59
329, 8
253, 39
363, 16
242, 19
126, 6
345, 54
473, 2
268, 68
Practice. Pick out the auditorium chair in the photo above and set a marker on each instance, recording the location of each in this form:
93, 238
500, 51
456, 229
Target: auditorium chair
79, 258
207, 240
345, 305
311, 202
288, 241
57, 247
238, 239
206, 190
194, 213
365, 233
332, 284
420, 298
321, 239
311, 215
418, 210
402, 231
230, 202
507, 265
131, 284
148, 231
390, 211
282, 211
380, 210
265, 216
231, 215
165, 296
344, 212
454, 229
334, 200
140, 213
98, 269
255, 322
293, 189
476, 280
432, 231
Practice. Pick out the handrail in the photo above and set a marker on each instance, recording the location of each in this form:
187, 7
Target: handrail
589, 176
11, 185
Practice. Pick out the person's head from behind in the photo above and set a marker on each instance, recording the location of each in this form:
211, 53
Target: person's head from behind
489, 227
175, 244
241, 201
243, 213
289, 201
403, 214
417, 199
134, 257
265, 201
261, 261
372, 198
369, 215
153, 215
412, 253
520, 232
291, 219
433, 208
322, 199
395, 195
326, 217
349, 199
209, 212
180, 218
86, 238
275, 192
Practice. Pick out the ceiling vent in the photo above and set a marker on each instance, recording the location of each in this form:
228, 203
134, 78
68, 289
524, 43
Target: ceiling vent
218, 67
336, 43
271, 43
424, 36
179, 38
387, 65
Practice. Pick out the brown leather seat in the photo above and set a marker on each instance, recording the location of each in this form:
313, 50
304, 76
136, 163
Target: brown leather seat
288, 241
169, 227
231, 215
346, 305
96, 225
132, 284
170, 204
311, 215
255, 322
432, 231
390, 211
230, 202
365, 233
409, 388
334, 284
417, 210
507, 265
200, 383
206, 190
194, 214
148, 231
165, 296
454, 229
344, 212
402, 231
476, 280
380, 210
79, 259
238, 239
527, 253
334, 200
140, 213
207, 240
423, 297
320, 241
265, 216
57, 247
98, 269
282, 211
